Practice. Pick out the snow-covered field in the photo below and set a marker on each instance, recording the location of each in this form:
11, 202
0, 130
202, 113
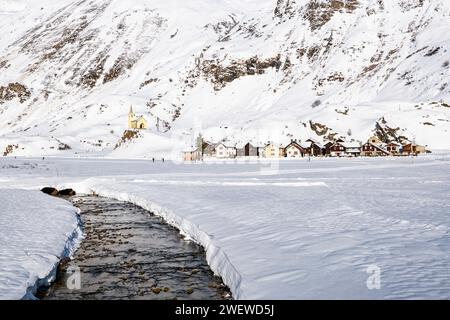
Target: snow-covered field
35, 232
290, 229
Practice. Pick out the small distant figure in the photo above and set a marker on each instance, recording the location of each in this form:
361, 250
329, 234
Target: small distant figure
43, 158
153, 160
163, 160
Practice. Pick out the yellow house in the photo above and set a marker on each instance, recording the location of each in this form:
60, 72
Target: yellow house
136, 122
271, 151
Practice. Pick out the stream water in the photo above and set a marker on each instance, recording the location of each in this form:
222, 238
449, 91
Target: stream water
129, 253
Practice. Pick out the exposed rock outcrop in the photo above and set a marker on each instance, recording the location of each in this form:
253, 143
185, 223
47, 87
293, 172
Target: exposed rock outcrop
318, 12
388, 134
285, 8
221, 75
14, 91
128, 135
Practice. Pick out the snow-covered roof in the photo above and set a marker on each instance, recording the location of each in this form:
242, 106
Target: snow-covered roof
304, 145
351, 145
381, 147
190, 149
297, 144
210, 144
317, 143
224, 145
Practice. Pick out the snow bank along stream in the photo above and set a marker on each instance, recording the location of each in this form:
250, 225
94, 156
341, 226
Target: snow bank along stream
128, 253
36, 231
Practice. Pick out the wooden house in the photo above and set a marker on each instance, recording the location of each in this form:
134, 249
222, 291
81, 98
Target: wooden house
247, 150
413, 149
251, 150
337, 149
352, 149
421, 149
240, 150
374, 150
394, 148
327, 148
315, 148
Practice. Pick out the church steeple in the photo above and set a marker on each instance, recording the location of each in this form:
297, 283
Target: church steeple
131, 118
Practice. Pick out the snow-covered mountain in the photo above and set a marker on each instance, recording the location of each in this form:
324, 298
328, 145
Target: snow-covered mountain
239, 70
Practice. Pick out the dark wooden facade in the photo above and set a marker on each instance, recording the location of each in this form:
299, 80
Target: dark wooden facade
248, 150
316, 150
372, 150
337, 149
251, 150
240, 152
415, 149
327, 148
394, 148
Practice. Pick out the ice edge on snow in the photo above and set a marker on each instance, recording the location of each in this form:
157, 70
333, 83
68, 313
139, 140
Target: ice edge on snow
72, 244
216, 257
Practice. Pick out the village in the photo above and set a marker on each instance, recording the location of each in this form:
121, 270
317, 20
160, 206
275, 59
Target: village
297, 149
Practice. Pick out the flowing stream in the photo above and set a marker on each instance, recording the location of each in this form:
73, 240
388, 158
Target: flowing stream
129, 253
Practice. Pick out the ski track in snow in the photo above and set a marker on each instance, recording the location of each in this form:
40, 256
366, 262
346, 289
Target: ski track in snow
310, 231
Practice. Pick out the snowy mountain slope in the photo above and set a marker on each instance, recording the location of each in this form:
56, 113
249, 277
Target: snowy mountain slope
236, 70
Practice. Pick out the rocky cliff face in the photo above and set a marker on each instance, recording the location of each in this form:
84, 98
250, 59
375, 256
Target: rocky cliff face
237, 70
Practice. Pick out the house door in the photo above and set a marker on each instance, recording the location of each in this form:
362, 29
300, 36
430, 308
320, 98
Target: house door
141, 126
